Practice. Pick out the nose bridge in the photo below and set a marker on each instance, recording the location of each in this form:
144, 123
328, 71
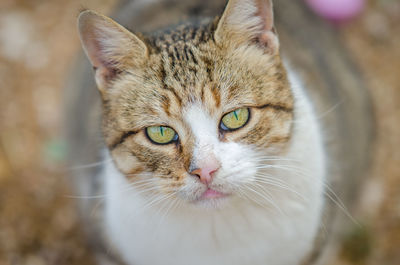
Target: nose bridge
205, 139
203, 156
205, 163
205, 135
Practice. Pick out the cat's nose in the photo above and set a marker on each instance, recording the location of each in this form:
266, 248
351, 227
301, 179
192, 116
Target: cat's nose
206, 173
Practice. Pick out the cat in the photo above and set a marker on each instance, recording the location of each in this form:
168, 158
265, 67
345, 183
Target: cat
213, 150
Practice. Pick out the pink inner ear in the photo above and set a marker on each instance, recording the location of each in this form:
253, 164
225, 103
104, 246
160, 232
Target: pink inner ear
267, 37
104, 68
94, 50
265, 11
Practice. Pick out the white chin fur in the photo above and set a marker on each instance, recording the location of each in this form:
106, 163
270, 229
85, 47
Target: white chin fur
233, 231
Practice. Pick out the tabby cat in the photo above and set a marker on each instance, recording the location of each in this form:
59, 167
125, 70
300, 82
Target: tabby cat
213, 150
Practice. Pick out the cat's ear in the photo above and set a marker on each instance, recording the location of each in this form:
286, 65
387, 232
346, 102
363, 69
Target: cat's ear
110, 47
248, 22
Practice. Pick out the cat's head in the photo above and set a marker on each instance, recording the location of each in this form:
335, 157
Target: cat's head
194, 112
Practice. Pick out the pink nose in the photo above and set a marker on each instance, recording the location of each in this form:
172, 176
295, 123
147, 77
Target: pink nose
205, 174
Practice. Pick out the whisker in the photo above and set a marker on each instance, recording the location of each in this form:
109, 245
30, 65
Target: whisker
171, 207
155, 201
96, 207
342, 207
91, 165
85, 197
264, 196
147, 183
262, 159
335, 198
244, 195
279, 184
325, 113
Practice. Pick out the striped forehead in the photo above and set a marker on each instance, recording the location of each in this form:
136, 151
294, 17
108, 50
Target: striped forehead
185, 72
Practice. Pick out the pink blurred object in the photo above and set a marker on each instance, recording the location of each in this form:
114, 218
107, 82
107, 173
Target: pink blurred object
337, 10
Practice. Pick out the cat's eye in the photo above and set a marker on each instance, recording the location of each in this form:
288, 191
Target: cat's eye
161, 134
235, 120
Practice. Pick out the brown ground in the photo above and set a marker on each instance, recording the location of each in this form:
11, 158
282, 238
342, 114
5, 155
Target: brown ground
38, 223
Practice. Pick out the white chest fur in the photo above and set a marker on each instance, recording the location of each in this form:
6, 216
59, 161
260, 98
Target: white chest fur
243, 233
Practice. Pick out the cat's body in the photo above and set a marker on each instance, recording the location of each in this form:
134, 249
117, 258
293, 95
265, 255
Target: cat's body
278, 226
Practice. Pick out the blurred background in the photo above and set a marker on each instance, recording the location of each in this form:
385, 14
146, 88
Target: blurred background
38, 45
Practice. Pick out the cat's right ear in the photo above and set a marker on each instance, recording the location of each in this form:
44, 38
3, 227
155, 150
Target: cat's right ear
248, 22
110, 47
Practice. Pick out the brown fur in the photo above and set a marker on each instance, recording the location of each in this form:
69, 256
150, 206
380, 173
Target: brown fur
186, 65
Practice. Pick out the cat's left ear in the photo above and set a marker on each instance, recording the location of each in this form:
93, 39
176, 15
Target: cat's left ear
248, 22
109, 46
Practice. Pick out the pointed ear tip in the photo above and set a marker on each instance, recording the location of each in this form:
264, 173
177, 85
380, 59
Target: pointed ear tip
83, 18
86, 20
86, 15
89, 12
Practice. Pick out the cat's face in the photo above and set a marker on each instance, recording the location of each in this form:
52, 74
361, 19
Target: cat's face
195, 118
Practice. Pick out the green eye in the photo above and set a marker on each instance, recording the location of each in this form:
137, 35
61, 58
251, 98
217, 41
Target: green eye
235, 119
161, 134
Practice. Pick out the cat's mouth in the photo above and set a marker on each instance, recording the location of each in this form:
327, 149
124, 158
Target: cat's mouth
211, 198
213, 194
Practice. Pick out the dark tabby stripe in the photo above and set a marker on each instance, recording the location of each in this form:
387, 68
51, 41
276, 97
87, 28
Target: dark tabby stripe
217, 96
276, 107
122, 139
